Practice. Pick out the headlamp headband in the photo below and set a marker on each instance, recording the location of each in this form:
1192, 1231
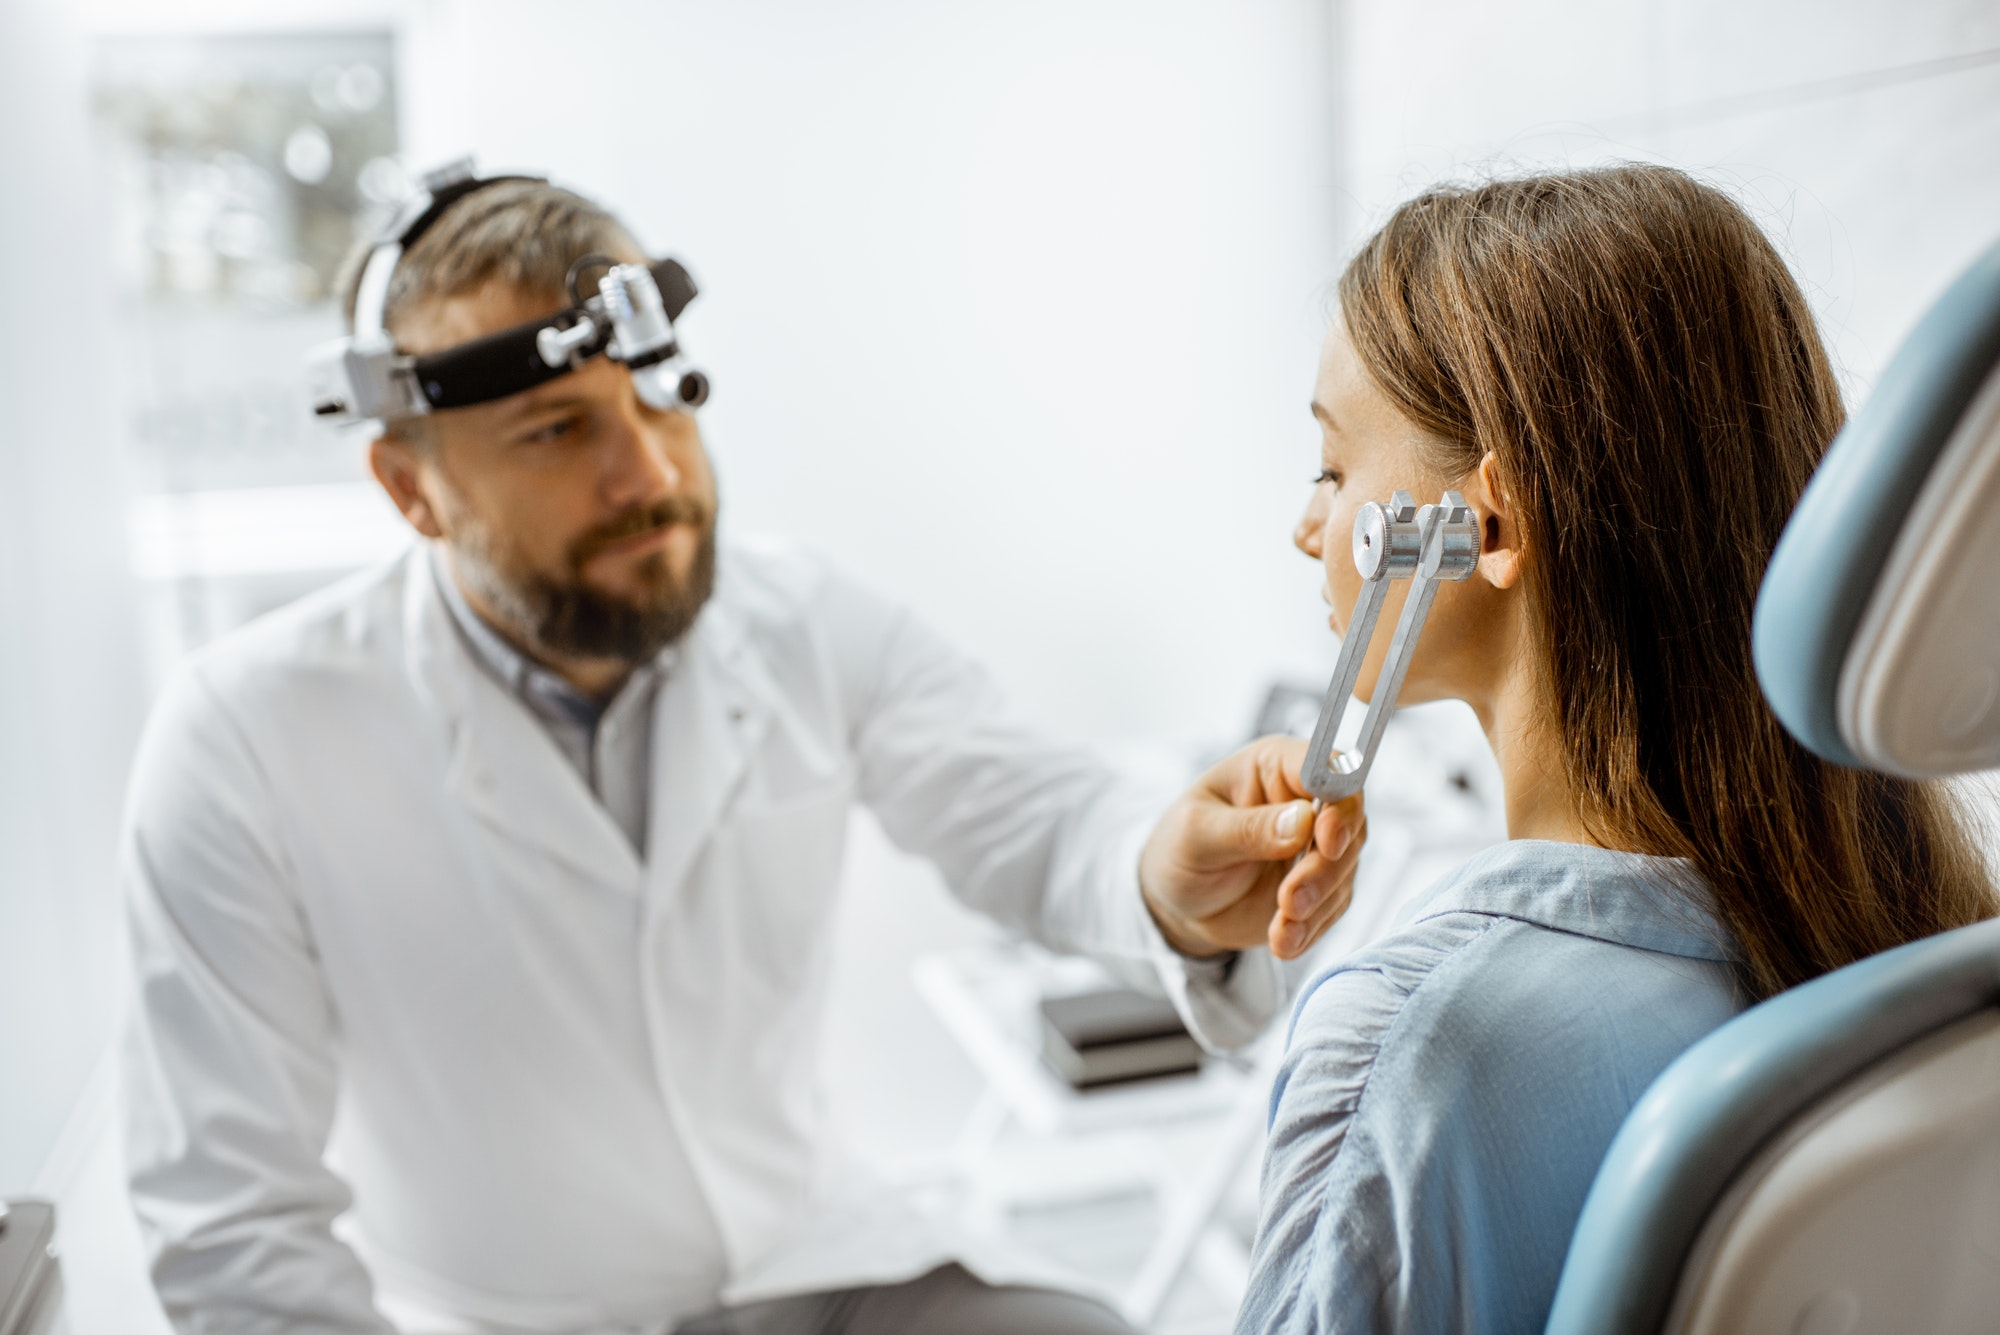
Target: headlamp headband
631, 320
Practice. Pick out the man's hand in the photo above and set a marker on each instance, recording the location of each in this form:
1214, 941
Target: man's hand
1218, 870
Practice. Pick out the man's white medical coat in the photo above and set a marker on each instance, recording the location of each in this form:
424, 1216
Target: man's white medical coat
396, 963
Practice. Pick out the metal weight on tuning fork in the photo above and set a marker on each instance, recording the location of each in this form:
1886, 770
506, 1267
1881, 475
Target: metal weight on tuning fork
1392, 541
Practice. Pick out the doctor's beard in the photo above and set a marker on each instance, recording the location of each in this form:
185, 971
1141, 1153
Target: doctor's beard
566, 616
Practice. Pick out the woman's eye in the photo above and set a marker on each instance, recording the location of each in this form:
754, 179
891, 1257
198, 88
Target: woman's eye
1326, 475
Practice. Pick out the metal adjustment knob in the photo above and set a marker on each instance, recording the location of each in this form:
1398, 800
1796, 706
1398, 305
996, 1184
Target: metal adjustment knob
560, 347
1454, 553
1386, 538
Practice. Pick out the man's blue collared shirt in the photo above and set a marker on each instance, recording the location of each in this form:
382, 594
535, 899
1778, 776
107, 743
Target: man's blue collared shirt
609, 743
1448, 1093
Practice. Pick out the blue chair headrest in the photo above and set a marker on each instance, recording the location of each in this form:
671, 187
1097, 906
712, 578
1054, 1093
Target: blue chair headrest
1877, 632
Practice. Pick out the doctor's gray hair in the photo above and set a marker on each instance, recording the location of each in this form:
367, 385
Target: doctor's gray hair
526, 234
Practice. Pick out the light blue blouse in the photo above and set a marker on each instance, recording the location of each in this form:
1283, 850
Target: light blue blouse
1447, 1093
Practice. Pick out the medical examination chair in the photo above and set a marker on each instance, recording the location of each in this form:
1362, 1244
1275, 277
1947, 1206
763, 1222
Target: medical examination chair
1829, 1161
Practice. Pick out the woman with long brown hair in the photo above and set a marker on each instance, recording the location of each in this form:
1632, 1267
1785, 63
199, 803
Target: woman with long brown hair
1620, 375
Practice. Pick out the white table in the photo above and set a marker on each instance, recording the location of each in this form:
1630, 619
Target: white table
986, 997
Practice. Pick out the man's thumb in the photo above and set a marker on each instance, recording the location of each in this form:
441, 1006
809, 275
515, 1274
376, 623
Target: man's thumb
1290, 827
1217, 835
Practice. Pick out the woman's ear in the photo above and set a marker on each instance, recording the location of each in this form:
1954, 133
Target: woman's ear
1499, 529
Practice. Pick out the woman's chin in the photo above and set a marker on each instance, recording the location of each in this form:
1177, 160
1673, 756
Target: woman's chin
1412, 693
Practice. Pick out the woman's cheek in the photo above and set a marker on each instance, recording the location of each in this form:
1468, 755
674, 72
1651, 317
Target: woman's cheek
1343, 582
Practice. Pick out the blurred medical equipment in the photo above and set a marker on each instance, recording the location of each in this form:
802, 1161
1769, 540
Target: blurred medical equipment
30, 1281
1391, 542
630, 320
1829, 1161
1114, 1034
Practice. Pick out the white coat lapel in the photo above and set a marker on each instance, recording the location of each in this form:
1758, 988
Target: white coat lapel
712, 710
505, 768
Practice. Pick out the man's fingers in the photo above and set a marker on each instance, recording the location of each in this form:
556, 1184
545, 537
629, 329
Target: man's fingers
1338, 835
1290, 908
1293, 937
1263, 772
1211, 869
1219, 835
1315, 894
1246, 922
1321, 895
1339, 827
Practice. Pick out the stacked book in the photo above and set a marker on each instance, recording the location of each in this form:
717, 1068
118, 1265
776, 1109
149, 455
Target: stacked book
1096, 1038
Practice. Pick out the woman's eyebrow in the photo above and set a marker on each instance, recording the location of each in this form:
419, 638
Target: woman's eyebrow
1325, 415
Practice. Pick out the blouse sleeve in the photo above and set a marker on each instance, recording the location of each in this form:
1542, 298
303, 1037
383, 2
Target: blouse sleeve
1336, 1191
1310, 1169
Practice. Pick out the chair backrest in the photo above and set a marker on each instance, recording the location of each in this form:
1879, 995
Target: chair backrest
1829, 1161
1877, 634
1699, 1187
1879, 1209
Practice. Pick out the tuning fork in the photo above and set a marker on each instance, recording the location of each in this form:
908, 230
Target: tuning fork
1392, 541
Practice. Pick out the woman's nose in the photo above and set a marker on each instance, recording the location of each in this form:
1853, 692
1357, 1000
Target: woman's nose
1311, 527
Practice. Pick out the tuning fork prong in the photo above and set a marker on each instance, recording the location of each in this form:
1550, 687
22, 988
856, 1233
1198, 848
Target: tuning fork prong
1393, 541
1387, 546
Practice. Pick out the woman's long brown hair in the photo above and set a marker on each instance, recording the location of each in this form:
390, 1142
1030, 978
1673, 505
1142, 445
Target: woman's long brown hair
1636, 355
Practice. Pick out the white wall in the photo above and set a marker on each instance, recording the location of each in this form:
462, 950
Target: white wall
1864, 134
69, 688
1012, 308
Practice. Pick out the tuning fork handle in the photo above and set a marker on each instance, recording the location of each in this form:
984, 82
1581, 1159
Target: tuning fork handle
1321, 774
1393, 541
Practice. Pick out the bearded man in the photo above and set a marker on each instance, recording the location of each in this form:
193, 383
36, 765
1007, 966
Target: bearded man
481, 902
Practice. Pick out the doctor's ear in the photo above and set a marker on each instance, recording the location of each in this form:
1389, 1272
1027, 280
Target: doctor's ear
1499, 527
398, 465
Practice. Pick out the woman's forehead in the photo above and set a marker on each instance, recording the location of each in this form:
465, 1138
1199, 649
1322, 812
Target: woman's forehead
1345, 399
